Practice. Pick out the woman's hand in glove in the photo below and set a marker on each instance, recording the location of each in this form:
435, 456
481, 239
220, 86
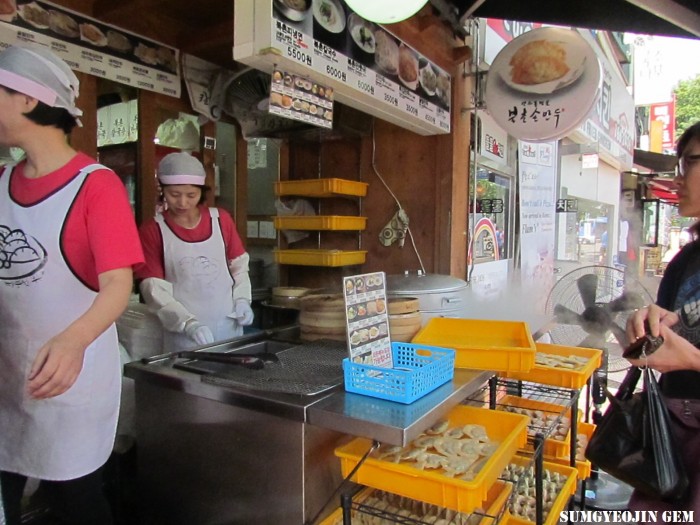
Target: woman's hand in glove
243, 313
199, 333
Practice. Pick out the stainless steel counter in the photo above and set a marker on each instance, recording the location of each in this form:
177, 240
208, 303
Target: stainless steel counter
209, 454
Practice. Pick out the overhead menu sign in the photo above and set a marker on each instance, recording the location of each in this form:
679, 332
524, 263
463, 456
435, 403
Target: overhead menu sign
93, 47
368, 67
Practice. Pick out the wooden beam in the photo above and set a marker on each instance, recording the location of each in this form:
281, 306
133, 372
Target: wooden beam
461, 54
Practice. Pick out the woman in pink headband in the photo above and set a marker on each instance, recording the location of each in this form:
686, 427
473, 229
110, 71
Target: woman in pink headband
196, 273
68, 241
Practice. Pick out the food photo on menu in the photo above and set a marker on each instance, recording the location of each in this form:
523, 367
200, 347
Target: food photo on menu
50, 20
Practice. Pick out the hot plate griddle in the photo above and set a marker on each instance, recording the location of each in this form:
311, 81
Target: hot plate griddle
306, 369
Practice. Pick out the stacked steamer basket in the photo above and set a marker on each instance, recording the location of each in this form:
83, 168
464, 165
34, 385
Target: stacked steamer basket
288, 296
404, 318
322, 316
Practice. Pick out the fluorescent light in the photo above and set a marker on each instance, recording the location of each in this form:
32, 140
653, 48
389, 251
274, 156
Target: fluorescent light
386, 11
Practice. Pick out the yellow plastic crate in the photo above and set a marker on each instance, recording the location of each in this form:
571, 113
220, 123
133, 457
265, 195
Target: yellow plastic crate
583, 466
321, 188
482, 344
562, 377
567, 491
320, 257
559, 448
495, 502
509, 430
320, 222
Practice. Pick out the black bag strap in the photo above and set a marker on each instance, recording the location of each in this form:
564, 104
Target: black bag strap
627, 386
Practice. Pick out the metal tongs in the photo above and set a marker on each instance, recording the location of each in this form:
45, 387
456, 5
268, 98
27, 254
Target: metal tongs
254, 361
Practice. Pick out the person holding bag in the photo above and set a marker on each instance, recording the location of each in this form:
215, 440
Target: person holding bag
195, 278
676, 318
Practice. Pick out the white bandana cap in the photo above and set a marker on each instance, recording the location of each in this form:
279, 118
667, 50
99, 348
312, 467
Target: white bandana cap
39, 73
181, 168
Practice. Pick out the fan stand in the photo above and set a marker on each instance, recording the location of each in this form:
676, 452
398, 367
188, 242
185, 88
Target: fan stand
603, 491
592, 298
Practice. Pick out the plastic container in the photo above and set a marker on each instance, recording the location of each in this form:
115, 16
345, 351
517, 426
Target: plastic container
563, 377
552, 447
321, 188
320, 222
320, 257
495, 502
418, 370
498, 346
583, 466
560, 502
509, 430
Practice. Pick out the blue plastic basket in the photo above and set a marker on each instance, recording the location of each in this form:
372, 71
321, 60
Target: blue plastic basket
418, 370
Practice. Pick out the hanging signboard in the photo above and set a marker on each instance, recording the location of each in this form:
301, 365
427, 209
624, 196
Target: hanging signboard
542, 85
367, 319
367, 66
92, 47
298, 98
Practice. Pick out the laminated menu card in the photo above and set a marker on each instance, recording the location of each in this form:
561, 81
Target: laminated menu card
367, 319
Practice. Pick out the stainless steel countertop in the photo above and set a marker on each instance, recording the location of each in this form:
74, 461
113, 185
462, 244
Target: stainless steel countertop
335, 409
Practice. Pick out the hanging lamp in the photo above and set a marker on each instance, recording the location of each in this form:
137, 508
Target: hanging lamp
386, 11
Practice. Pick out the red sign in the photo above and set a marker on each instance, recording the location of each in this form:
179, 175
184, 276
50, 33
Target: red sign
665, 112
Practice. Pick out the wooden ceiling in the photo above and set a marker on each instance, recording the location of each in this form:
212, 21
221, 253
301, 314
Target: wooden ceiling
203, 28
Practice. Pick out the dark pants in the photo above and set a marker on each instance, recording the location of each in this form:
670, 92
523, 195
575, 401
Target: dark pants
79, 501
685, 421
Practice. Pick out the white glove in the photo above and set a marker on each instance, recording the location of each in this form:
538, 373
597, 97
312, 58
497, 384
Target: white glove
243, 313
199, 333
158, 295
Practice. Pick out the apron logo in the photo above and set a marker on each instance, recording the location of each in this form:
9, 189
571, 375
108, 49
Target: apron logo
202, 270
22, 257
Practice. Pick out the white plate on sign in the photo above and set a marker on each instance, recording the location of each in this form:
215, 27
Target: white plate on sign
550, 110
575, 60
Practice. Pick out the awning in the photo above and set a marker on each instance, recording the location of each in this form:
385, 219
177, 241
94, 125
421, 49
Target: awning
654, 162
655, 17
663, 189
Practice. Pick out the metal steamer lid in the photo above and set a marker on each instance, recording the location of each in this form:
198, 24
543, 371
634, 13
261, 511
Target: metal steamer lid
415, 283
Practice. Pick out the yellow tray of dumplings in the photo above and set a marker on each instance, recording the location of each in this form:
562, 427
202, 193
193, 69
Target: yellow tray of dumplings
557, 444
376, 501
583, 466
582, 361
504, 434
555, 507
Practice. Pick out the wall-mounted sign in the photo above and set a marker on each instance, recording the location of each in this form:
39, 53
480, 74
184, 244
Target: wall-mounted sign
567, 205
87, 45
299, 98
367, 66
663, 116
543, 83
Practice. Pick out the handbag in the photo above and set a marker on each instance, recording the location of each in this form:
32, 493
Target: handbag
634, 442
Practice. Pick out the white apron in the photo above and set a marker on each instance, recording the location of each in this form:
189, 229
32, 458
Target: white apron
69, 435
201, 281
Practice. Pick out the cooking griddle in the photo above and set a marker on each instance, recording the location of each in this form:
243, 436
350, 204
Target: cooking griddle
306, 369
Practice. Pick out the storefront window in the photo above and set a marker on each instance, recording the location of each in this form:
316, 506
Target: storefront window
490, 212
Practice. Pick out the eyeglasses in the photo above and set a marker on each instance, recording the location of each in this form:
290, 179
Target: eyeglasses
685, 163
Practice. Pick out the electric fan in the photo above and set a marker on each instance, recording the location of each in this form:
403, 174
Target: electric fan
590, 306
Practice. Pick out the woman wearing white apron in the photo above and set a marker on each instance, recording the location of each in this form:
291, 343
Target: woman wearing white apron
68, 244
196, 273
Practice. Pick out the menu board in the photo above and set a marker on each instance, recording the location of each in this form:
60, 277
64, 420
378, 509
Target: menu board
299, 98
92, 47
330, 39
367, 319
